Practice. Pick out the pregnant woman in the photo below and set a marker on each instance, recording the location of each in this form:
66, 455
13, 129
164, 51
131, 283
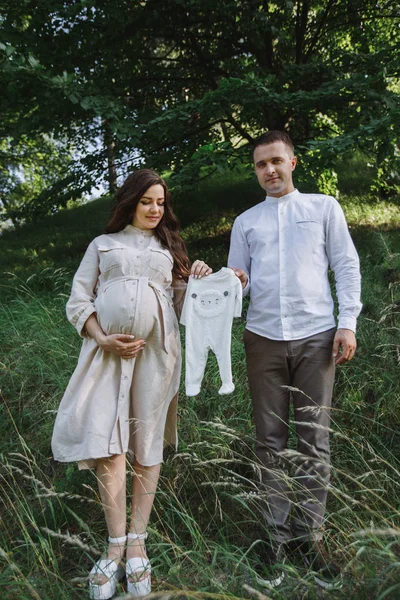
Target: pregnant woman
122, 398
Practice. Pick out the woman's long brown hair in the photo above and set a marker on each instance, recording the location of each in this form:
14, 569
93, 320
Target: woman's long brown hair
167, 231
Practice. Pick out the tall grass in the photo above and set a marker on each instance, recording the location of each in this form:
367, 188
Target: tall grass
207, 514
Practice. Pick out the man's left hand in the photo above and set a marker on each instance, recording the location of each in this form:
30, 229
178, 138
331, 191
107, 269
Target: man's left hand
344, 346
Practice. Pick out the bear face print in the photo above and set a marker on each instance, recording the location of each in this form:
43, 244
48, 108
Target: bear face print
210, 303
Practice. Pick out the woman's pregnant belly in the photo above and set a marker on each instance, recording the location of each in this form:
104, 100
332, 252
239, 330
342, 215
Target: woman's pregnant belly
120, 310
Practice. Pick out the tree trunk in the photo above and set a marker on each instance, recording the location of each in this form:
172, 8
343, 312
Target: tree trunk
109, 142
303, 7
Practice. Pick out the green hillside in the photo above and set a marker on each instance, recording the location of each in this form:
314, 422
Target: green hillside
206, 512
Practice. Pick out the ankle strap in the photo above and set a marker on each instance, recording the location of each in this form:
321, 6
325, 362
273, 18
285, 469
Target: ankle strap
137, 536
119, 540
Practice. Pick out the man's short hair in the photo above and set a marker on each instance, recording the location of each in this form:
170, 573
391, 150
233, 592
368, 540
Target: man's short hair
273, 136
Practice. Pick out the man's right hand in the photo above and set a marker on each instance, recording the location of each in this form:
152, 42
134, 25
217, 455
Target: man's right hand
242, 275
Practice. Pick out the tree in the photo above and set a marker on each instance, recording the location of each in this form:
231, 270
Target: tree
320, 70
188, 84
28, 169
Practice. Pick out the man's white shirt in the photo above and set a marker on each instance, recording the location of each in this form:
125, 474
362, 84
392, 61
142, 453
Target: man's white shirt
286, 246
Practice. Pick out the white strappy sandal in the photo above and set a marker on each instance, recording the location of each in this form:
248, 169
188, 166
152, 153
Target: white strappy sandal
135, 568
110, 569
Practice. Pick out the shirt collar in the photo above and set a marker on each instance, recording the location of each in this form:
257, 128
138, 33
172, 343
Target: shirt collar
273, 200
138, 231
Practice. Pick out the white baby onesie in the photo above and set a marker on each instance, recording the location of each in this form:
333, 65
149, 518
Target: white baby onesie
210, 305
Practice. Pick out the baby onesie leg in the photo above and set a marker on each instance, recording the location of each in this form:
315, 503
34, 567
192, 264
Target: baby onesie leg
196, 358
222, 350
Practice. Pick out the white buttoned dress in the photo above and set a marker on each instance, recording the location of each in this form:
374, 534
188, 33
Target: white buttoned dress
114, 405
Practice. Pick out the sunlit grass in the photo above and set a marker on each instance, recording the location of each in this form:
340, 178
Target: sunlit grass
375, 213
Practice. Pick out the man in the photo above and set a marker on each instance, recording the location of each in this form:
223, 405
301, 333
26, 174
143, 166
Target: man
281, 250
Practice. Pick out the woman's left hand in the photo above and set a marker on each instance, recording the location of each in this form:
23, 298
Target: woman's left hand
200, 269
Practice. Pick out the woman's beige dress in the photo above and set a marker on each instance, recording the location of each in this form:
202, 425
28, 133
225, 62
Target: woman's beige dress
114, 405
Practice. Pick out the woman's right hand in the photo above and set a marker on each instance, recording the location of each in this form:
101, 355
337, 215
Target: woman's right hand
121, 344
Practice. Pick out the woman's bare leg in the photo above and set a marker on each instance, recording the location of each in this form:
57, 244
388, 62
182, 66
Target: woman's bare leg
144, 486
111, 477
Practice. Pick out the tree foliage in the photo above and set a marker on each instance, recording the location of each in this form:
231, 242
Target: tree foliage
29, 169
186, 85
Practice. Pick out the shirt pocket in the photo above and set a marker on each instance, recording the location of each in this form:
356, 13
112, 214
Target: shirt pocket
313, 225
161, 263
309, 236
111, 257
